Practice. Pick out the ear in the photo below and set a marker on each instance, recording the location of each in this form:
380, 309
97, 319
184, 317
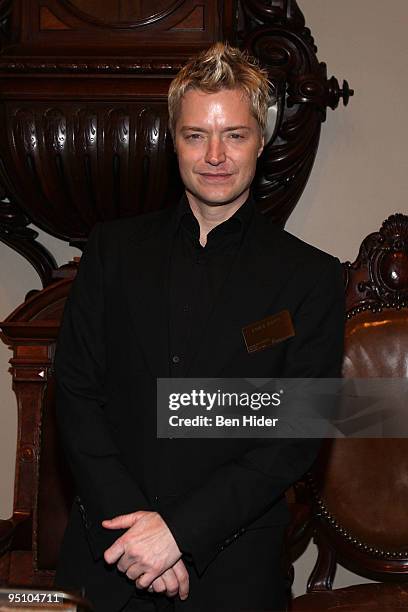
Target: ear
261, 146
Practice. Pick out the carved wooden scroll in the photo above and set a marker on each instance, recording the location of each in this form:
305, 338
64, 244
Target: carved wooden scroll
275, 32
378, 278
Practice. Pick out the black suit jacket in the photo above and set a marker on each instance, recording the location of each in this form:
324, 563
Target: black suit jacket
112, 346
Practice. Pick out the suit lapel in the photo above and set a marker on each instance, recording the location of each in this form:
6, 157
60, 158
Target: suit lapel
253, 285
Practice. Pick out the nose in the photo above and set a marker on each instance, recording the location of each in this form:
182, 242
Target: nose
215, 153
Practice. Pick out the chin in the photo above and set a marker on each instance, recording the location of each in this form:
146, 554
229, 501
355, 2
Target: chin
217, 198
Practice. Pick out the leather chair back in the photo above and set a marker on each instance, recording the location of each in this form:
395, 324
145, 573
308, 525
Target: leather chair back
365, 481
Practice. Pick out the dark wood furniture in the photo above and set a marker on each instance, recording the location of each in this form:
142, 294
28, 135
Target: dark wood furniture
83, 119
359, 487
83, 108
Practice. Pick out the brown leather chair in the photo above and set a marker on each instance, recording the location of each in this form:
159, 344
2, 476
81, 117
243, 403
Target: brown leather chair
359, 487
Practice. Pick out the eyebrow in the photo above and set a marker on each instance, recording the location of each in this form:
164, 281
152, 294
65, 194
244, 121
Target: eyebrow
227, 129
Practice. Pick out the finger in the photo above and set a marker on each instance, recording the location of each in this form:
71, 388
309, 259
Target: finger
114, 552
133, 571
171, 583
146, 579
158, 585
183, 578
132, 560
123, 521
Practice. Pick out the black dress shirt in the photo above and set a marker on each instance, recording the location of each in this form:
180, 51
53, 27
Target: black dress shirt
196, 276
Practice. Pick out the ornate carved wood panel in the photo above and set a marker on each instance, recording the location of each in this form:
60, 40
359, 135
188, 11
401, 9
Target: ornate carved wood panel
150, 27
83, 111
276, 33
77, 162
378, 278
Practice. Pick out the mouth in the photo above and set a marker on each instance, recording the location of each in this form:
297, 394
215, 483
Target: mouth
215, 178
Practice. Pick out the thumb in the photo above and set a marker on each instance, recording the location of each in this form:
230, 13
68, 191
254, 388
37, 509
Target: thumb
123, 521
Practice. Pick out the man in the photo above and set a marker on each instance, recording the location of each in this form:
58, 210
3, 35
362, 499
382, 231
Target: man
179, 524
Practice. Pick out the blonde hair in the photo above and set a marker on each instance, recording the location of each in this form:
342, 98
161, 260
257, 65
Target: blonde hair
222, 67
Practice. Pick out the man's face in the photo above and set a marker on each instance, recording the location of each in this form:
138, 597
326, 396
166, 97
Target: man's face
217, 141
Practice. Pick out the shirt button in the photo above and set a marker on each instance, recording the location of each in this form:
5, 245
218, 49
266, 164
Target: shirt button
175, 359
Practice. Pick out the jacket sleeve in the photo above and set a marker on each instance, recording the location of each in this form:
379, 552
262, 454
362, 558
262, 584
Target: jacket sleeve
240, 491
105, 488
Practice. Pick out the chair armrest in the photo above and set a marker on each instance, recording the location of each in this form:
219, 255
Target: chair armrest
300, 508
299, 529
301, 518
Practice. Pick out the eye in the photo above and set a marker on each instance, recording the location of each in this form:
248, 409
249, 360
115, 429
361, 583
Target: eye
194, 136
236, 136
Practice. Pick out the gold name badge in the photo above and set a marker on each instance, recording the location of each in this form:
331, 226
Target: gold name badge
266, 332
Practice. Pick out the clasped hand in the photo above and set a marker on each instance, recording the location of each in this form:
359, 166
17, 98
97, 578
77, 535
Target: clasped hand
148, 553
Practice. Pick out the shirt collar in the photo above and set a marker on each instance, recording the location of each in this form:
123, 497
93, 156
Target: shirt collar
238, 222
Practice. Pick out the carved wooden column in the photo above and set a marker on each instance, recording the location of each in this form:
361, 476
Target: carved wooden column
31, 332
